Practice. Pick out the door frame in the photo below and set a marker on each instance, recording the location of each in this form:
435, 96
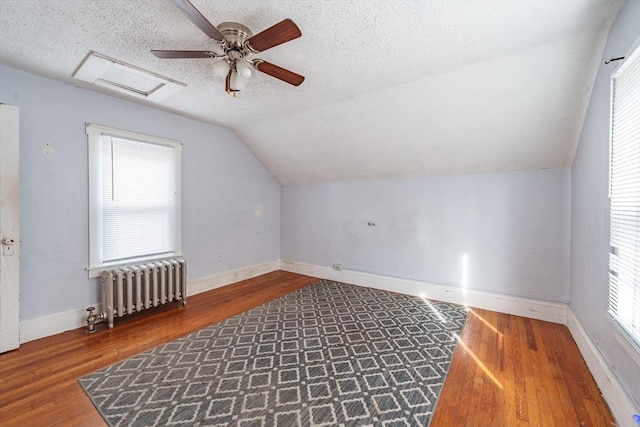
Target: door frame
9, 227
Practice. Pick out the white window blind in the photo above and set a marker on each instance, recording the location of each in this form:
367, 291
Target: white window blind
134, 192
624, 257
138, 190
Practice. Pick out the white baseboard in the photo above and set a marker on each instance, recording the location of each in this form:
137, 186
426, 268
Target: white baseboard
544, 310
527, 307
53, 324
60, 322
228, 277
621, 405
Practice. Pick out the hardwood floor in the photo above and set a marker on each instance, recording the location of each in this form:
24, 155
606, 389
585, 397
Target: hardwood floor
507, 370
513, 371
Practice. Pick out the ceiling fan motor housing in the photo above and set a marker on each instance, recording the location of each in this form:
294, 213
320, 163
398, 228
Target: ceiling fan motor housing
235, 34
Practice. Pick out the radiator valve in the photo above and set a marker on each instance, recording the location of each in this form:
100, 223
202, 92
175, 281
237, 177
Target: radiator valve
93, 318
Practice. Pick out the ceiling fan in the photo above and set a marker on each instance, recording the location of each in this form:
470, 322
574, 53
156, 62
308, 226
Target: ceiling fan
237, 42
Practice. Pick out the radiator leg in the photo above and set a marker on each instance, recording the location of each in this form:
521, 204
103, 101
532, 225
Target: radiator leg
93, 318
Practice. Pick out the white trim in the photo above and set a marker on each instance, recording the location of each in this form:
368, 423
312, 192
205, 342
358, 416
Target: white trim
228, 277
94, 149
621, 405
53, 324
528, 307
9, 227
96, 131
65, 321
537, 309
622, 64
626, 342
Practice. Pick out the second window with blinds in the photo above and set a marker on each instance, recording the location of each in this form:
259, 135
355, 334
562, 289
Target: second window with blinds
134, 198
624, 257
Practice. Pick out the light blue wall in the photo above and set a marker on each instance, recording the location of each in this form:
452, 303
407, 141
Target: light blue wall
590, 207
513, 227
224, 190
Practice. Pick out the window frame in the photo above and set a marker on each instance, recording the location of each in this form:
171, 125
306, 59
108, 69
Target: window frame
95, 172
621, 331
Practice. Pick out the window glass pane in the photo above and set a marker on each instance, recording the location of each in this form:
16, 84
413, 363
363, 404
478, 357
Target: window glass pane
139, 199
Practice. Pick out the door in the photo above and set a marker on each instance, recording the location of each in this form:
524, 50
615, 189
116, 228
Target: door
9, 228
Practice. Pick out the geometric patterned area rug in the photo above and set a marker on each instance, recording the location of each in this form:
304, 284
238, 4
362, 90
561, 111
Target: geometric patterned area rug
329, 354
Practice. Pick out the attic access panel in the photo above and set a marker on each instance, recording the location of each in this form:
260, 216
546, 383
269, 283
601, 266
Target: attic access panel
125, 78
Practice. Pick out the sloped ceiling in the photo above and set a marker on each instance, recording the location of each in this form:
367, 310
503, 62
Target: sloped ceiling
393, 88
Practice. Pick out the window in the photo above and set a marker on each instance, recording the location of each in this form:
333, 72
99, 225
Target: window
624, 257
134, 198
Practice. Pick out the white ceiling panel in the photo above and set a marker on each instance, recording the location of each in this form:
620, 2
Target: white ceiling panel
393, 88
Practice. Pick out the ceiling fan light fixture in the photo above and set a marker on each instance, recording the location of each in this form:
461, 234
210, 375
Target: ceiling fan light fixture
237, 82
244, 69
220, 68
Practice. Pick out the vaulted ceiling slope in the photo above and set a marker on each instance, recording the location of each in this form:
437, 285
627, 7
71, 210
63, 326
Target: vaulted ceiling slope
393, 88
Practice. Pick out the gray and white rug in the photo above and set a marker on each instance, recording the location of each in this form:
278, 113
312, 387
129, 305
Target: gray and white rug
330, 354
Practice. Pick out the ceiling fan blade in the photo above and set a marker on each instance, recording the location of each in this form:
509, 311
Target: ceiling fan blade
279, 72
177, 54
282, 32
199, 20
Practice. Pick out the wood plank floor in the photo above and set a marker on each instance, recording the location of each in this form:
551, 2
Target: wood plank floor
507, 370
513, 371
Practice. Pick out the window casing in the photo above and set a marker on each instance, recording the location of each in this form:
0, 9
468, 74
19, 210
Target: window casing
624, 189
134, 198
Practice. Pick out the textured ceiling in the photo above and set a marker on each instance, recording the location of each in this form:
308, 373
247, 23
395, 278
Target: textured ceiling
393, 88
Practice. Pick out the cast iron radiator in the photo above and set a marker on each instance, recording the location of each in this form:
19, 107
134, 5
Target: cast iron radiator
130, 289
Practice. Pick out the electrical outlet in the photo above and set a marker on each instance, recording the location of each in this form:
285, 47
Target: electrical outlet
337, 267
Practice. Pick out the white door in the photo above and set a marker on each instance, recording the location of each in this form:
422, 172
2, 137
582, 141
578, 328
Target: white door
9, 228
